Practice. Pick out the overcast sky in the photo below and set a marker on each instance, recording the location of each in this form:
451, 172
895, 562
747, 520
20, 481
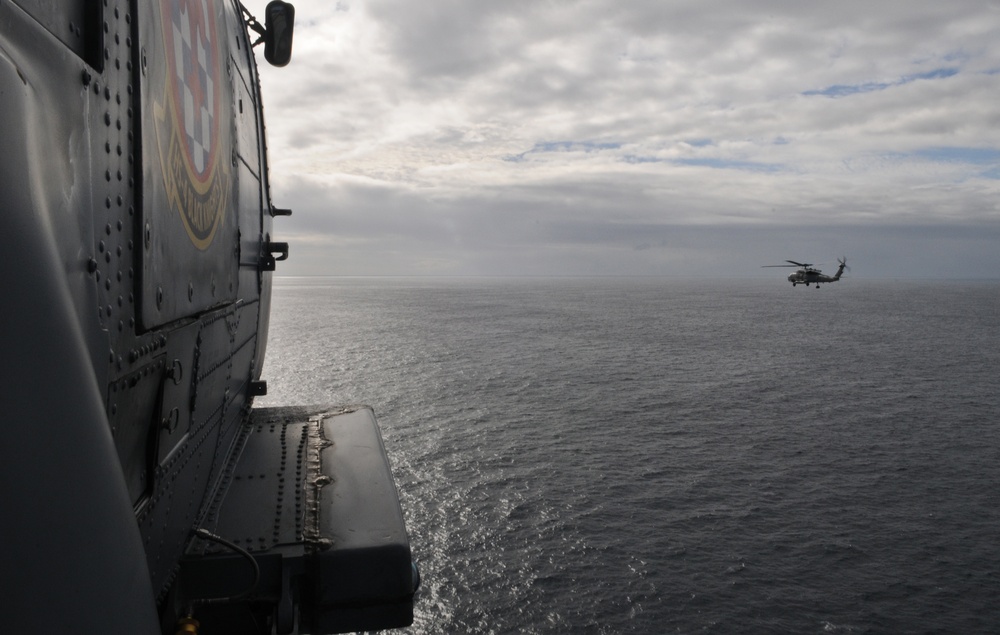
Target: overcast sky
657, 137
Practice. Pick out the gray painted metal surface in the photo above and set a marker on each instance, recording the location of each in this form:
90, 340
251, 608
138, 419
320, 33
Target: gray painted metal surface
134, 301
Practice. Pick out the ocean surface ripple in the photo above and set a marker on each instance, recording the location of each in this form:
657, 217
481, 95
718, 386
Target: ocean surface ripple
657, 455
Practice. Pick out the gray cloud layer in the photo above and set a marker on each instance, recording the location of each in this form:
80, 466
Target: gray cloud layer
604, 137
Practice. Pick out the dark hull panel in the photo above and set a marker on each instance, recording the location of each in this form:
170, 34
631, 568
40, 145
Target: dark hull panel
149, 229
313, 500
135, 297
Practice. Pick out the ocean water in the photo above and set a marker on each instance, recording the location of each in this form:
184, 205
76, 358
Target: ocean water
657, 455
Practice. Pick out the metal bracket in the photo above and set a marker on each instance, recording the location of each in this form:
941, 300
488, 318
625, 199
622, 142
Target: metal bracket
254, 25
273, 252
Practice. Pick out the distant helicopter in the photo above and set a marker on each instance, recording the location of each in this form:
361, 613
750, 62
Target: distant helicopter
808, 275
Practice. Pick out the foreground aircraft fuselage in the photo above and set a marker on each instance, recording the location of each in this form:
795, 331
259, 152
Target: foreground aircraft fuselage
134, 304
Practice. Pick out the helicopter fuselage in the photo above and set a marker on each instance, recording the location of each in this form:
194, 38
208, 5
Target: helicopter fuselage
809, 275
143, 489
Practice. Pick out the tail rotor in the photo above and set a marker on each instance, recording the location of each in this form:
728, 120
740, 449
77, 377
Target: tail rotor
841, 268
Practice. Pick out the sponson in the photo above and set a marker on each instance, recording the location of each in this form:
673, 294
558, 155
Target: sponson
308, 517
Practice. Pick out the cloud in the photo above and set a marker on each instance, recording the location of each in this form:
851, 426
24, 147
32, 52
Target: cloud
443, 134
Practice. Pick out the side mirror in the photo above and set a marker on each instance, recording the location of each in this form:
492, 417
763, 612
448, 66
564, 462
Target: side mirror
279, 22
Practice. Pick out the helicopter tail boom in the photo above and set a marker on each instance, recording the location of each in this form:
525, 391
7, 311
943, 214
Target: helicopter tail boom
840, 269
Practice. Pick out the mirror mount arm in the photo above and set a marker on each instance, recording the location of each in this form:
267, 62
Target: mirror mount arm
254, 25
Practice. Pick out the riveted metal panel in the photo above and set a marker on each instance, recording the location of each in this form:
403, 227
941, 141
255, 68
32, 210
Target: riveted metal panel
190, 233
134, 416
72, 22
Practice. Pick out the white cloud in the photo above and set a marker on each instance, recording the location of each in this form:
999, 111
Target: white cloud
440, 134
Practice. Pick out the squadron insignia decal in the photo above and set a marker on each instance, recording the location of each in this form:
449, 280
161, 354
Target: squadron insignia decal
190, 135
